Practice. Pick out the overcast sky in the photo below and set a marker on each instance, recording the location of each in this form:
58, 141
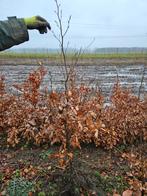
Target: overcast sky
111, 23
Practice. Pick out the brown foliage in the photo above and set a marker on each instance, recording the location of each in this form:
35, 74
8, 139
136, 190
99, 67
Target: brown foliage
72, 117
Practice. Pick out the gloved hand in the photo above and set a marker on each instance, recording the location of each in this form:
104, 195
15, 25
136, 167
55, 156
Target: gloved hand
37, 22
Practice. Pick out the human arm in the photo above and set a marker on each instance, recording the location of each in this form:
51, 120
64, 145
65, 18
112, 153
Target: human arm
14, 31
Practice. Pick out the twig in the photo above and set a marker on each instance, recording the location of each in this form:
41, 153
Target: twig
60, 39
141, 82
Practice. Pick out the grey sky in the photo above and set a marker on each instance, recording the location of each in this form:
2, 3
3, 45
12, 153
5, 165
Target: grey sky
113, 23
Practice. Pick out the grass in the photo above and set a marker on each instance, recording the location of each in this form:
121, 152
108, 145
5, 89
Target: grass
28, 55
71, 55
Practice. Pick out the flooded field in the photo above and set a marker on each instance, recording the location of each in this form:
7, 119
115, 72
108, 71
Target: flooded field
103, 76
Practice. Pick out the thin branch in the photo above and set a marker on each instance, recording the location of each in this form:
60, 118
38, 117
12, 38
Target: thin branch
141, 82
67, 28
90, 44
57, 38
61, 37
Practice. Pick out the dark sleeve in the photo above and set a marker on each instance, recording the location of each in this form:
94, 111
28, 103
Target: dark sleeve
12, 32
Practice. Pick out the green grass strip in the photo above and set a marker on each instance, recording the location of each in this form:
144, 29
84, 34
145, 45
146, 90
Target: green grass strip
72, 55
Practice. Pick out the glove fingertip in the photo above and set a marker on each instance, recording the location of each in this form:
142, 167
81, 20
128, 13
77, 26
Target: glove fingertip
49, 27
41, 31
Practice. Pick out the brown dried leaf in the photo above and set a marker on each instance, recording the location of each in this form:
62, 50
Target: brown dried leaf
127, 193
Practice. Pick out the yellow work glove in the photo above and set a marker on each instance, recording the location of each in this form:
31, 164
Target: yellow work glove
37, 22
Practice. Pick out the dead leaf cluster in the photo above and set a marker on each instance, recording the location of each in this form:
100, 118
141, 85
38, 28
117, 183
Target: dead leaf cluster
70, 117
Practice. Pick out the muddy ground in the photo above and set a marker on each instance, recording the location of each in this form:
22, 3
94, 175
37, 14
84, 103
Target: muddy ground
102, 73
100, 172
